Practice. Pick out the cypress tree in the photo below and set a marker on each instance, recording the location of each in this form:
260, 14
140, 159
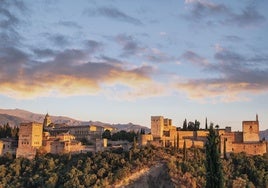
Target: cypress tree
224, 149
178, 140
134, 143
206, 124
184, 127
214, 176
184, 151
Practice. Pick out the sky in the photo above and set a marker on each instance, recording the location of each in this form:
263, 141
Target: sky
124, 61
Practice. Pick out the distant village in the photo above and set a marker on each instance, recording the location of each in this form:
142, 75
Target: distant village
47, 137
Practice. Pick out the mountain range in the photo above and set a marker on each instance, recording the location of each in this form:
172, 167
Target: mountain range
16, 116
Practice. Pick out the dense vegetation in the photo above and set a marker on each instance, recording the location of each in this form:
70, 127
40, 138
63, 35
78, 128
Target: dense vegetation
8, 131
80, 170
109, 167
121, 135
239, 170
190, 126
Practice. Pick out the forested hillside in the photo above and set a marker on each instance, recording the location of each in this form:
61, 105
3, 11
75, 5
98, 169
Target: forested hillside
108, 168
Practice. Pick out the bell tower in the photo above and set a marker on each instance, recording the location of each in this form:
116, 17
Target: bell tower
47, 121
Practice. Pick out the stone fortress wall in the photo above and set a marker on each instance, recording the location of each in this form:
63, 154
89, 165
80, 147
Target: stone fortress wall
168, 135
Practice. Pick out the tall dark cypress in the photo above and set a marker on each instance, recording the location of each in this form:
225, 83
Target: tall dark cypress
214, 176
184, 127
206, 124
184, 151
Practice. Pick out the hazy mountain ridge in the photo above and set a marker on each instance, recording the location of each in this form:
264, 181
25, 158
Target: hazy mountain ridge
264, 134
16, 116
33, 117
11, 120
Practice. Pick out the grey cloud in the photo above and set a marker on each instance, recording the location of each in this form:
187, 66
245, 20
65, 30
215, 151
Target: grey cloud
203, 9
59, 40
159, 57
234, 74
42, 53
65, 71
229, 56
194, 58
113, 13
200, 10
70, 24
213, 14
12, 62
93, 45
129, 45
233, 38
9, 21
249, 17
110, 60
10, 37
133, 47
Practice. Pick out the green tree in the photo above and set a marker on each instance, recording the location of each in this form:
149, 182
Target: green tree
184, 151
214, 176
224, 148
107, 134
206, 124
184, 126
196, 125
191, 126
134, 143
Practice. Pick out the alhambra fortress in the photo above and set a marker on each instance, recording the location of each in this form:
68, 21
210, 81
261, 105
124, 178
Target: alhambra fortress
164, 134
47, 137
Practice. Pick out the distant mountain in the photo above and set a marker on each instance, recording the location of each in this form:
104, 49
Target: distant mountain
16, 116
131, 127
26, 116
11, 120
264, 134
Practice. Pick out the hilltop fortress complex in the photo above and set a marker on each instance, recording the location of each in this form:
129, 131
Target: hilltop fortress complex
163, 133
48, 137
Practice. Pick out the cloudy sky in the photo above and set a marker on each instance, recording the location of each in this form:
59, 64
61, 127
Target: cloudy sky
123, 61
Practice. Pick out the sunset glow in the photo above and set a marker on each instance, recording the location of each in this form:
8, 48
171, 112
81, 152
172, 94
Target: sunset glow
123, 61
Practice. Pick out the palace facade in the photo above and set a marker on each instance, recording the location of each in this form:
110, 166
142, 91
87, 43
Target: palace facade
57, 139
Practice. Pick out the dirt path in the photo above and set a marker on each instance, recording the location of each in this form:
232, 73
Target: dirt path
156, 176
